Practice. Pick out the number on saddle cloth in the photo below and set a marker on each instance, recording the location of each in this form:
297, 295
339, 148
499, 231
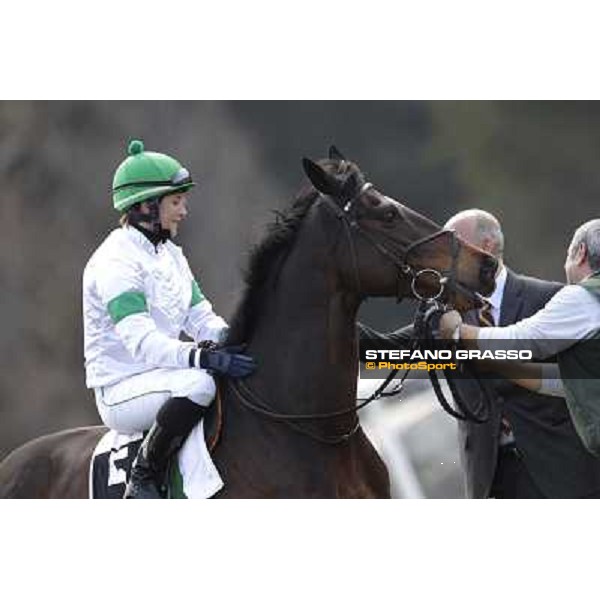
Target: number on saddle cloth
111, 465
113, 458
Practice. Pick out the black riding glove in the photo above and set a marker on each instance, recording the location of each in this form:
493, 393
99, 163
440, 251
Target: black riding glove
207, 345
227, 361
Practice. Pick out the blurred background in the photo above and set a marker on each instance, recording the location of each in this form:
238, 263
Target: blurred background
532, 164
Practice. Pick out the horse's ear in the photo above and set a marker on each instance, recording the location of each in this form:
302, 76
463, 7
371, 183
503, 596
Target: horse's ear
335, 154
323, 181
351, 185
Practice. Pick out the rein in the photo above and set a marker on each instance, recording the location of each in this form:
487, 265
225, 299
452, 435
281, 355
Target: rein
251, 401
423, 332
462, 412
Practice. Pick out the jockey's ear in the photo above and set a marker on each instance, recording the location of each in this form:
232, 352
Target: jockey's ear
324, 182
335, 154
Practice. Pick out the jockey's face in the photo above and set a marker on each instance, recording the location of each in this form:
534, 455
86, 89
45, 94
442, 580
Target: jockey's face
173, 209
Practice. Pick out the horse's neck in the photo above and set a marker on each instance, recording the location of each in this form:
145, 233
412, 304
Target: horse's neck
306, 340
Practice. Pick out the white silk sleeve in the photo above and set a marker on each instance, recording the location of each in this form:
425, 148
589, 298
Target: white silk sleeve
202, 323
148, 345
122, 289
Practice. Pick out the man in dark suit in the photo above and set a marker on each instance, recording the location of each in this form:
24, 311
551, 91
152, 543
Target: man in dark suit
528, 448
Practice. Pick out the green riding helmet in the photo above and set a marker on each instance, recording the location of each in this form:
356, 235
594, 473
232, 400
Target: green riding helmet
144, 175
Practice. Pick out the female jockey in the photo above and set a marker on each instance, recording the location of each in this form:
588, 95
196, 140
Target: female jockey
138, 295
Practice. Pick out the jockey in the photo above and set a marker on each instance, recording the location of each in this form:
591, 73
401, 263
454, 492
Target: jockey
139, 294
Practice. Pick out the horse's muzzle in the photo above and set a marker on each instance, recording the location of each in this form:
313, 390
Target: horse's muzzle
487, 274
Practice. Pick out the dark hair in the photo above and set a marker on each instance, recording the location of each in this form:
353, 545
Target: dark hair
264, 265
125, 218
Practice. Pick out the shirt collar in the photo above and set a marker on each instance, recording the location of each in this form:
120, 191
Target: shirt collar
141, 240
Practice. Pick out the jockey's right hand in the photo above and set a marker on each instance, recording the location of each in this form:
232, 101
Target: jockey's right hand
227, 361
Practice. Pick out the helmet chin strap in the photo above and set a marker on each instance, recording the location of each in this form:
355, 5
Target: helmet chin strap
137, 218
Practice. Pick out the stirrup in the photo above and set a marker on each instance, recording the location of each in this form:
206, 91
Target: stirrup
149, 470
147, 490
144, 482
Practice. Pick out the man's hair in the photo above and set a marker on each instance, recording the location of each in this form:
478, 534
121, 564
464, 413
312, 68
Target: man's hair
486, 225
588, 234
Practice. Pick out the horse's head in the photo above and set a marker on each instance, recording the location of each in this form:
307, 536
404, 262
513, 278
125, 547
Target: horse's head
389, 249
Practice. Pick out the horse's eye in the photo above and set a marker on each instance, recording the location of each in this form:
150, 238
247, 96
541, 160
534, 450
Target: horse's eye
389, 215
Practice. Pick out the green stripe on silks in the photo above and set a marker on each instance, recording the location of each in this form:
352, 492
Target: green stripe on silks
176, 483
197, 295
127, 303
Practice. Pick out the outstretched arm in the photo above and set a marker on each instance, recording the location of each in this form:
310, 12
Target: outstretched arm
542, 378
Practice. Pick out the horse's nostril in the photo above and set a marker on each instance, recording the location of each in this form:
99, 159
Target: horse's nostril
488, 269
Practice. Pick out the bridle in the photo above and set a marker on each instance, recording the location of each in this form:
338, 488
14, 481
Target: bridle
446, 278
400, 259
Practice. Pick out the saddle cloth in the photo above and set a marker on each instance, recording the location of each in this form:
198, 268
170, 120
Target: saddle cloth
193, 475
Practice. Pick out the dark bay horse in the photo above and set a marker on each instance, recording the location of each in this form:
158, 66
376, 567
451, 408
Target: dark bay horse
291, 430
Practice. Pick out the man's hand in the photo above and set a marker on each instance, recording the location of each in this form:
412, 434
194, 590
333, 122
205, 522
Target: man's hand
449, 322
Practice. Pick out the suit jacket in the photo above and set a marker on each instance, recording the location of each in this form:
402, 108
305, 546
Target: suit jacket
551, 449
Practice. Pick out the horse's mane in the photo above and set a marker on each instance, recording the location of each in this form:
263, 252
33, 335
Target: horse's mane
265, 262
268, 256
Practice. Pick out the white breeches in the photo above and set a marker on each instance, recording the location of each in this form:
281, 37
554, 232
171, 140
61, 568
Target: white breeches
130, 406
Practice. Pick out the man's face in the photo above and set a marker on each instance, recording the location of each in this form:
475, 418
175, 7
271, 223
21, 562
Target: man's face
173, 210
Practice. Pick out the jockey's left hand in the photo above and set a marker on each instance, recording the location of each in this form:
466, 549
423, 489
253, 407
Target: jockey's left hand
207, 345
449, 322
227, 361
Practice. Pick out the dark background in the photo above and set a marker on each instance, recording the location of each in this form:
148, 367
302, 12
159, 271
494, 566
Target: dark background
533, 164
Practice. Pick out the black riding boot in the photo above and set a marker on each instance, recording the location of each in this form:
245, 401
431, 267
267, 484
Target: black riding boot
174, 422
